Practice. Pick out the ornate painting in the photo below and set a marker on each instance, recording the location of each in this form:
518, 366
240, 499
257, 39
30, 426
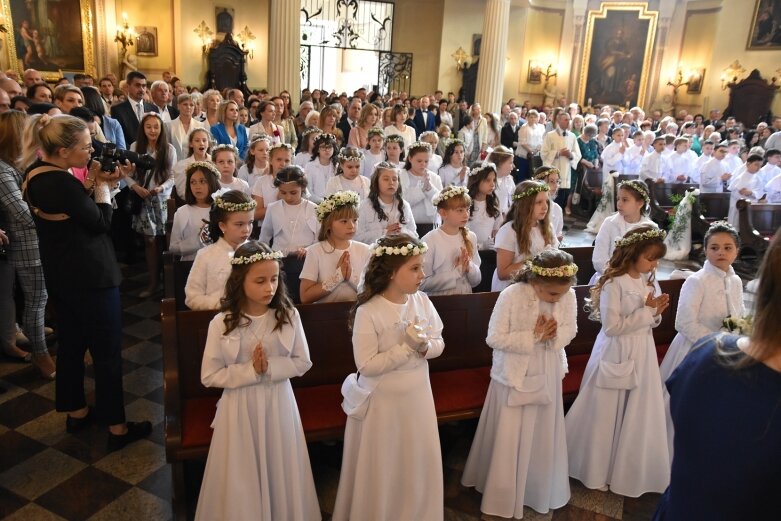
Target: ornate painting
765, 33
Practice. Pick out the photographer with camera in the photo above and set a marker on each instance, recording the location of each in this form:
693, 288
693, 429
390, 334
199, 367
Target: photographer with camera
81, 270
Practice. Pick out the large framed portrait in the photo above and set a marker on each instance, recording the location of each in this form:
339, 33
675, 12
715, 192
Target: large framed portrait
617, 54
50, 36
765, 32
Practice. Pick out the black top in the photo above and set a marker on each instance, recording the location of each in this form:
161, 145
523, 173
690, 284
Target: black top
76, 253
727, 463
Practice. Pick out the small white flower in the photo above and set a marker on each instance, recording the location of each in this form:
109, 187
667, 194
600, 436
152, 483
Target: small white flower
378, 251
416, 251
404, 250
696, 192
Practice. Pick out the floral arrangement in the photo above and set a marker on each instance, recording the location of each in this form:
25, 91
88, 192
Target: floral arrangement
449, 192
257, 257
568, 270
738, 325
395, 138
455, 140
228, 206
203, 165
408, 249
637, 237
638, 186
534, 190
279, 145
482, 167
420, 145
220, 148
310, 130
336, 200
542, 176
350, 154
683, 212
375, 131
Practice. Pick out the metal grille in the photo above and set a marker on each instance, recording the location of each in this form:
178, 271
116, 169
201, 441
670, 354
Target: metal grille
306, 56
347, 24
395, 72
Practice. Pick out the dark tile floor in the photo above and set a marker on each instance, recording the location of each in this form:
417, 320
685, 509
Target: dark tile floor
46, 474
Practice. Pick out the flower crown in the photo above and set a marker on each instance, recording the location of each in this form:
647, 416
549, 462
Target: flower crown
420, 145
346, 155
204, 165
279, 145
374, 131
548, 171
568, 270
406, 250
454, 142
395, 138
220, 148
335, 201
311, 130
257, 257
480, 168
449, 192
259, 137
533, 190
639, 186
228, 206
637, 237
325, 136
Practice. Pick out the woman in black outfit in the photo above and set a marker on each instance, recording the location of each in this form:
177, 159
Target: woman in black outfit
81, 271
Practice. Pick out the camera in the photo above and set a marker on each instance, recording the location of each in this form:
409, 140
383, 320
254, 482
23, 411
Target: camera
110, 157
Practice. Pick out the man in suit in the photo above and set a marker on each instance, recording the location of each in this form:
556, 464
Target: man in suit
161, 97
509, 136
350, 117
130, 111
424, 118
560, 150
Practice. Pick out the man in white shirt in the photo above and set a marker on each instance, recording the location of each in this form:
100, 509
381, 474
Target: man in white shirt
161, 95
654, 165
560, 150
714, 172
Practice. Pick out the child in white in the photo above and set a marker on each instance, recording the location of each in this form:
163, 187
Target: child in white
374, 152
613, 154
773, 190
453, 170
485, 218
224, 156
707, 154
714, 172
771, 168
746, 185
321, 168
527, 234
633, 207
256, 164
654, 165
258, 464
551, 177
707, 298
519, 453
191, 220
264, 191
384, 212
419, 185
290, 224
391, 463
505, 185
333, 266
348, 174
616, 432
198, 141
635, 154
434, 160
682, 161
452, 263
304, 154
230, 225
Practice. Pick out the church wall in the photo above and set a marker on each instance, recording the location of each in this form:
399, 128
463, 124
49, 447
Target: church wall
417, 28
460, 21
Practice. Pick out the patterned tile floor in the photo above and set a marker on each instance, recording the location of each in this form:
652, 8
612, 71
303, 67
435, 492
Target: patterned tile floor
47, 474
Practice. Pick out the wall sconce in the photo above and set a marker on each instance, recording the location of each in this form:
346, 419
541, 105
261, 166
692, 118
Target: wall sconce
676, 84
550, 72
205, 35
730, 75
125, 37
245, 40
462, 58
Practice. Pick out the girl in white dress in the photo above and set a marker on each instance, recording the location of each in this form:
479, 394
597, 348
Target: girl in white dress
258, 464
394, 150
616, 431
322, 167
291, 222
551, 176
264, 191
453, 170
502, 157
230, 225
391, 463
348, 174
613, 154
225, 156
374, 151
256, 164
333, 266
420, 184
435, 161
633, 205
199, 141
452, 264
519, 453
191, 221
707, 298
485, 217
304, 154
384, 212
526, 232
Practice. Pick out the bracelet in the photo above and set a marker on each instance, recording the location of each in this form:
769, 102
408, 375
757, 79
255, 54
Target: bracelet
333, 281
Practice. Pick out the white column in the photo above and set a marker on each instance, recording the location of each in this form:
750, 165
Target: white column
284, 51
493, 55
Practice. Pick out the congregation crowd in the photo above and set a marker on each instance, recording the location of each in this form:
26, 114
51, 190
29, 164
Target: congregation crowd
387, 199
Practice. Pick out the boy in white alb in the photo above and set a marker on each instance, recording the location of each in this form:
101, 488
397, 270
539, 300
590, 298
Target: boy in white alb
714, 173
654, 165
747, 185
707, 154
771, 168
681, 161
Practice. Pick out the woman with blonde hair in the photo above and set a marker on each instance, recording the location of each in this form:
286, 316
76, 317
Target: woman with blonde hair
211, 105
359, 134
327, 123
228, 130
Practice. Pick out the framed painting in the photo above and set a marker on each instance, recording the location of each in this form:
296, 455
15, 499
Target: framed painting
617, 54
535, 73
49, 35
223, 20
146, 41
765, 32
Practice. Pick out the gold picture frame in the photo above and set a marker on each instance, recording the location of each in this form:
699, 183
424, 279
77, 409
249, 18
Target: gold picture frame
615, 66
764, 30
50, 69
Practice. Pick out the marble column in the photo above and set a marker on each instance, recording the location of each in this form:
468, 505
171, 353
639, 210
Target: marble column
284, 50
493, 55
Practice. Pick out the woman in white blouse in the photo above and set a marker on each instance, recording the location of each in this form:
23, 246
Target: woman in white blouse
179, 129
399, 116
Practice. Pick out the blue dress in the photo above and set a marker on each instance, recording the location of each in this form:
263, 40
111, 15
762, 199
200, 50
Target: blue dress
727, 462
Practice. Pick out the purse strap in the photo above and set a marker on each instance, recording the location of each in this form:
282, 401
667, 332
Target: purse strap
26, 196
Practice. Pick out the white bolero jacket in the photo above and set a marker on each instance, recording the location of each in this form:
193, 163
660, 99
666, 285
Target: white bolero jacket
511, 331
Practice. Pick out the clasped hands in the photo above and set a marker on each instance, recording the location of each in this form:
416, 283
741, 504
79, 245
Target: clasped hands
545, 328
417, 336
462, 261
660, 303
259, 359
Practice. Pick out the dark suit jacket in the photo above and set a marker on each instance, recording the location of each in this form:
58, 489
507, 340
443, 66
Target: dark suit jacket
420, 127
345, 127
126, 116
509, 136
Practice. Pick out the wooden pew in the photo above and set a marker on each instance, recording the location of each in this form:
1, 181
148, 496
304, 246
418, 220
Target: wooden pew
757, 224
590, 191
714, 206
583, 257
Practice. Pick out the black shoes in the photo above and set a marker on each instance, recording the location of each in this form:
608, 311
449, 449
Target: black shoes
135, 432
76, 424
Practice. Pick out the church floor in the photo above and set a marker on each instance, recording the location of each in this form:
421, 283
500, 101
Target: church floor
47, 474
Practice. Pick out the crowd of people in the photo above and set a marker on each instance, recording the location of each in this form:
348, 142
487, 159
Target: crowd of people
388, 199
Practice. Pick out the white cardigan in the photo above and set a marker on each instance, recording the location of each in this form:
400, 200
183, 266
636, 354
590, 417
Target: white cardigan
206, 282
511, 331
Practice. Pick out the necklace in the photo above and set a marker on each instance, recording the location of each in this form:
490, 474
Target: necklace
292, 222
258, 332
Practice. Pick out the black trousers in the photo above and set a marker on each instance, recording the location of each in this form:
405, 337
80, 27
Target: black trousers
90, 319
